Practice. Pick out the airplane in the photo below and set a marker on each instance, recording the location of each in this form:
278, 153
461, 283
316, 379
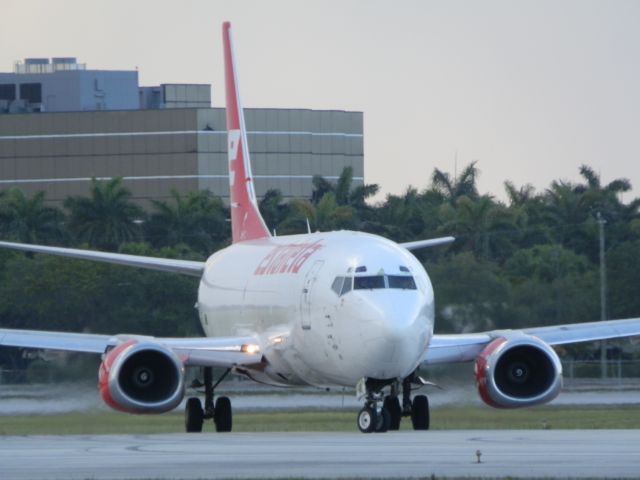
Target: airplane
338, 308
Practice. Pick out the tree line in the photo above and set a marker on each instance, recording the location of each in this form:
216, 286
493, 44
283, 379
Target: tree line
530, 260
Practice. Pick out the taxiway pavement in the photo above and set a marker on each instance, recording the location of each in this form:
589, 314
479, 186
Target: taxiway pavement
515, 453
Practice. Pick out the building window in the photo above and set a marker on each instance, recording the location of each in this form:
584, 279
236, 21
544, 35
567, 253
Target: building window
31, 92
7, 91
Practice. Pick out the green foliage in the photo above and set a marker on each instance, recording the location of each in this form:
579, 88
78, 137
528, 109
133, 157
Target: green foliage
532, 260
107, 217
451, 189
470, 294
28, 220
54, 293
196, 219
624, 279
272, 208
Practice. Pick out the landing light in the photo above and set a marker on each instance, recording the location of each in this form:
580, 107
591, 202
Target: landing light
250, 348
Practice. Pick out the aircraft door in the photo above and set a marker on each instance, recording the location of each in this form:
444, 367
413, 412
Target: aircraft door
305, 299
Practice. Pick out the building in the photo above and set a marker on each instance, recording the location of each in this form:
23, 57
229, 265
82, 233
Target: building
183, 149
61, 125
64, 85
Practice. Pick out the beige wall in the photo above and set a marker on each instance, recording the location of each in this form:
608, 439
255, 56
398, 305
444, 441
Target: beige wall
185, 149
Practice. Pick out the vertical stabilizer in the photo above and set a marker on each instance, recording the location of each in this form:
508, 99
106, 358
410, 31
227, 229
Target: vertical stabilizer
246, 222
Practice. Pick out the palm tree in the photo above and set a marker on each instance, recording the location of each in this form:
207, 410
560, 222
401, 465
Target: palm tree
453, 188
401, 216
343, 189
273, 208
28, 220
326, 215
197, 219
345, 195
107, 218
480, 225
573, 210
606, 200
530, 215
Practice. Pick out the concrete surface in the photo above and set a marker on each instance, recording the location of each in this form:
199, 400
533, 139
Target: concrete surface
515, 453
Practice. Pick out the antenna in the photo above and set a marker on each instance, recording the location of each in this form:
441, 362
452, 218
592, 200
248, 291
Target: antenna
308, 226
455, 166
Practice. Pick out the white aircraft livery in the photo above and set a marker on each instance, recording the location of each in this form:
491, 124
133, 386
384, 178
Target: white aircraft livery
323, 309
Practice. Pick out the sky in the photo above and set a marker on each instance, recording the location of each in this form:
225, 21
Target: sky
530, 90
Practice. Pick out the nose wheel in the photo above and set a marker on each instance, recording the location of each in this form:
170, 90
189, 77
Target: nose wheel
382, 413
375, 420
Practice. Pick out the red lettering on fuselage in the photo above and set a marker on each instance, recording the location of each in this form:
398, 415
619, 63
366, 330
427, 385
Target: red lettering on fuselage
287, 258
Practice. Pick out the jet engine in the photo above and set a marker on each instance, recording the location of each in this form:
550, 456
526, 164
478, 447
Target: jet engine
141, 377
518, 371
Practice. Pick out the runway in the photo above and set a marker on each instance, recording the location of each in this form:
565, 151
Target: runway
515, 453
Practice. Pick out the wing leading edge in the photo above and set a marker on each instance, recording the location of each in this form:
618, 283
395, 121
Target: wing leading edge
185, 267
224, 352
466, 347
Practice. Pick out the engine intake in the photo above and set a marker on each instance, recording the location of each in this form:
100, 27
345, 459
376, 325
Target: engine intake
519, 371
141, 378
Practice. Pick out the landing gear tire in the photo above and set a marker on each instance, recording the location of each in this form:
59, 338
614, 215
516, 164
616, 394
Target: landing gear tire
367, 419
382, 421
392, 405
420, 412
193, 415
222, 416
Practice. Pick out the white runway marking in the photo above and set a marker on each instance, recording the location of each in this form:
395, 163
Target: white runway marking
515, 453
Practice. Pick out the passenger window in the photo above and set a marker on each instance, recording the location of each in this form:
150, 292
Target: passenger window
346, 286
404, 282
368, 283
337, 285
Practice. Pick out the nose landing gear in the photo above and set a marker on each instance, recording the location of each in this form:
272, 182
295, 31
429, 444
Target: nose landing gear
373, 417
382, 413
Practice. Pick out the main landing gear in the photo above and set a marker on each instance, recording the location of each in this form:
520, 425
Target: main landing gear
384, 412
195, 415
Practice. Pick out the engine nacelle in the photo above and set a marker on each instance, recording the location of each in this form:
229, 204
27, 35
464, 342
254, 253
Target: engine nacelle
141, 378
518, 371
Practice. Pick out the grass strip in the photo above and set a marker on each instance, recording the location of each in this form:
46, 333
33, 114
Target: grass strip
447, 418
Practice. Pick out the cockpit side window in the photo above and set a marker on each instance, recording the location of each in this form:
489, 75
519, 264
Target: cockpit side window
368, 282
404, 282
336, 286
341, 285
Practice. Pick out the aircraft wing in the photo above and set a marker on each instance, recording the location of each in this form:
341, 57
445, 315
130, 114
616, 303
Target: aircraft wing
453, 348
432, 242
72, 342
206, 351
185, 267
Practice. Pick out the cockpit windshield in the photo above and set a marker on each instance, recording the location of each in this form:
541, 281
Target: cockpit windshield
368, 282
342, 285
405, 282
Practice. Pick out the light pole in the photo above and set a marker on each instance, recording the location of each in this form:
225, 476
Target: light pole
603, 295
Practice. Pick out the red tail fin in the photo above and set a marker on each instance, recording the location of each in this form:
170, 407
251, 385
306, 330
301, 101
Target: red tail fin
246, 222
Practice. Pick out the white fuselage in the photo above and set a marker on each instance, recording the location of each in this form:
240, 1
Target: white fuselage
327, 308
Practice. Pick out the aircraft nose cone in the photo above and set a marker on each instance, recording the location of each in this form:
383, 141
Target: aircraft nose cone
395, 338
